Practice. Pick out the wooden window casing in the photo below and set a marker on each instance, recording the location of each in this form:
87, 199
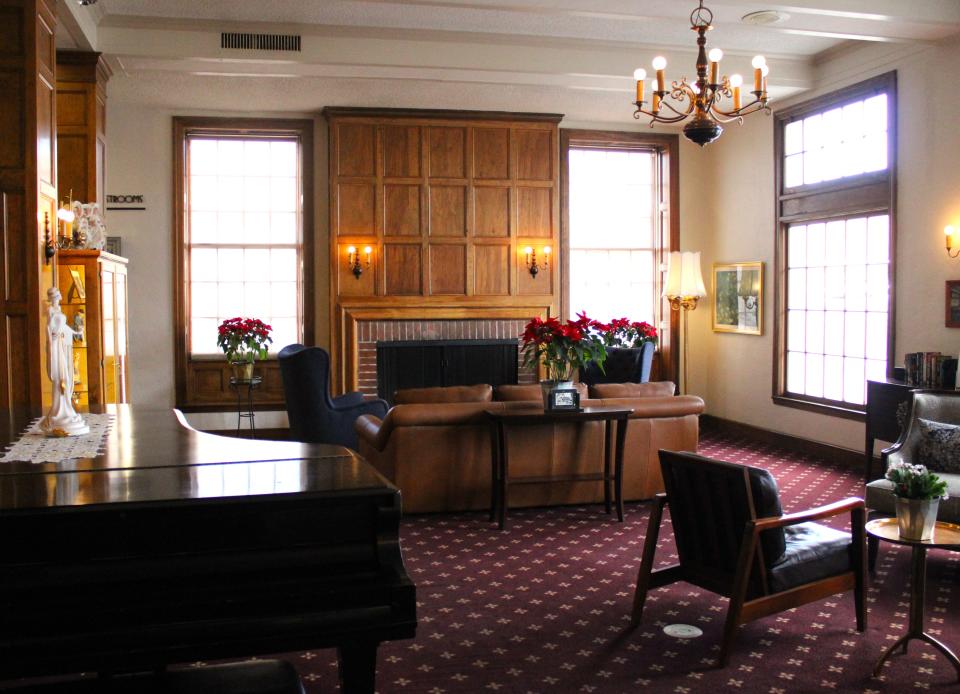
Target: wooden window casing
202, 381
667, 225
863, 195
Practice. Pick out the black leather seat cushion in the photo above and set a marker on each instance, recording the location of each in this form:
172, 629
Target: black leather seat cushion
251, 677
766, 502
813, 551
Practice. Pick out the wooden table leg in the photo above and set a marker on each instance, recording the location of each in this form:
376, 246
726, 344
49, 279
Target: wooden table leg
618, 474
918, 582
607, 455
503, 459
358, 667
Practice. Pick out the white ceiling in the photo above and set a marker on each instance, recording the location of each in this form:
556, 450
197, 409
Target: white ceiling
576, 48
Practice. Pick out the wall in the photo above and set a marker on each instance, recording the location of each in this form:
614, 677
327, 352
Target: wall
735, 372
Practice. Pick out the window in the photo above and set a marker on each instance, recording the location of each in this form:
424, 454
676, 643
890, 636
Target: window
243, 235
619, 222
835, 162
613, 259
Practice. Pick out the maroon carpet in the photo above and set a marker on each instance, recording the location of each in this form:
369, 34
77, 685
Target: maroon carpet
544, 606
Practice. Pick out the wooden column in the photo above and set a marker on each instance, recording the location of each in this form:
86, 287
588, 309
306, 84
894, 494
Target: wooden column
28, 192
81, 125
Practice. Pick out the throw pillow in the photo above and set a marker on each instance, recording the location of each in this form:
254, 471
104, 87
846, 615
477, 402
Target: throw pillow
939, 447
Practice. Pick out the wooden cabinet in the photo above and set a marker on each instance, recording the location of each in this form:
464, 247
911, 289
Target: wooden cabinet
81, 125
94, 289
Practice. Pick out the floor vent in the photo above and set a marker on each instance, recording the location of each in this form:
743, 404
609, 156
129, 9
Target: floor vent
260, 42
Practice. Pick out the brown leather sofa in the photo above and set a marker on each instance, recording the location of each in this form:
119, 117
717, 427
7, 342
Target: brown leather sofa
434, 444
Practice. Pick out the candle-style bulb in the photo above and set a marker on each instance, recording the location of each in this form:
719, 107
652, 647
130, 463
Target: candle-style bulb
715, 55
639, 74
758, 62
659, 63
736, 80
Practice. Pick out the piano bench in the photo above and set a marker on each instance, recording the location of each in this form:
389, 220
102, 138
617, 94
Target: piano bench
250, 677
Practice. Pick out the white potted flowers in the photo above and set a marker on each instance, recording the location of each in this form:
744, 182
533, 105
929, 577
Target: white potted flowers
918, 493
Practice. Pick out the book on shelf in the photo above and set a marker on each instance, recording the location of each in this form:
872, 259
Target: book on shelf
930, 370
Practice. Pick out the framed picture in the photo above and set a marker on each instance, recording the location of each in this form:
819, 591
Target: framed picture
738, 298
76, 287
565, 399
953, 304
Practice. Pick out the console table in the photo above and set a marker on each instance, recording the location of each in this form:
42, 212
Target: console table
532, 416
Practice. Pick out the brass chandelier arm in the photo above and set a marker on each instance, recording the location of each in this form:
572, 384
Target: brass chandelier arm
752, 107
656, 117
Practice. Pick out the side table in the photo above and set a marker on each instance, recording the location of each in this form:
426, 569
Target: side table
945, 536
500, 480
245, 409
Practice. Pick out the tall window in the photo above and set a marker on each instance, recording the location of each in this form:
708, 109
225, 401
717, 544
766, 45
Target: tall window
620, 221
835, 246
613, 232
243, 232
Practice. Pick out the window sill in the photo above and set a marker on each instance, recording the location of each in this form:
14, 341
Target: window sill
820, 407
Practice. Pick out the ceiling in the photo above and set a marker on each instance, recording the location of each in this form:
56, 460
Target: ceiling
578, 45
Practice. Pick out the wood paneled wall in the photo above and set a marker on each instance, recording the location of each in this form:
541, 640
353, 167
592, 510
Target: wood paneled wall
447, 200
82, 124
28, 193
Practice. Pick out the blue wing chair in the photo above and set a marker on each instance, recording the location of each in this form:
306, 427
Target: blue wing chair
314, 416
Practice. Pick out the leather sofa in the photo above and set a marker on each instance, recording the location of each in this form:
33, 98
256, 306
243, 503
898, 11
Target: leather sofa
434, 444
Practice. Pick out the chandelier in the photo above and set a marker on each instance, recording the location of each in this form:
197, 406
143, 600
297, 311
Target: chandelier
701, 98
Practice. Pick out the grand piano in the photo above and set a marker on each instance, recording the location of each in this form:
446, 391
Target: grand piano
175, 546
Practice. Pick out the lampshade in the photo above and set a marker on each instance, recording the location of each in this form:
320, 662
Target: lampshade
683, 276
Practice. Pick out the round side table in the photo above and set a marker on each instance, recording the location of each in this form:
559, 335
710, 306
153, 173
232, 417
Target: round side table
245, 409
945, 536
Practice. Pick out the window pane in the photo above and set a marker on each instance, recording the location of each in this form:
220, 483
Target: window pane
877, 336
793, 171
244, 208
797, 288
797, 245
854, 381
833, 378
793, 137
796, 372
814, 332
796, 331
854, 329
814, 373
833, 332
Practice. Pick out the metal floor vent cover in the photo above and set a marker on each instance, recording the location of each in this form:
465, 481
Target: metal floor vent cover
682, 631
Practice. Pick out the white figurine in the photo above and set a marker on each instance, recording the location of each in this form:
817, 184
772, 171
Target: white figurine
90, 224
61, 419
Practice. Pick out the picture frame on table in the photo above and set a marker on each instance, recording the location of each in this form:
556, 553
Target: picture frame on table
952, 304
564, 399
738, 298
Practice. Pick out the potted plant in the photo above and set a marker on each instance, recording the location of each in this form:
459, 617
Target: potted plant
562, 348
244, 340
918, 493
630, 346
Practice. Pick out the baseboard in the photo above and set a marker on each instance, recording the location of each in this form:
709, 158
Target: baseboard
795, 444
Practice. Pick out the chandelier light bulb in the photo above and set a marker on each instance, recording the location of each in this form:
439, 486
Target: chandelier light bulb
695, 87
765, 71
715, 55
639, 74
736, 80
758, 62
659, 63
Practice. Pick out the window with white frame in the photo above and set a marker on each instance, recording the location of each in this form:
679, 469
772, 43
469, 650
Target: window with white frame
614, 232
835, 247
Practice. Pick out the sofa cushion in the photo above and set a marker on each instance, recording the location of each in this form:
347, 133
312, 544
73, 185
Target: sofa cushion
939, 447
651, 389
812, 552
766, 503
880, 497
511, 393
477, 393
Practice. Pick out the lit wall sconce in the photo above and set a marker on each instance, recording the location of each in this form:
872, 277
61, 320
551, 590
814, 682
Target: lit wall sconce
531, 260
65, 218
353, 260
953, 241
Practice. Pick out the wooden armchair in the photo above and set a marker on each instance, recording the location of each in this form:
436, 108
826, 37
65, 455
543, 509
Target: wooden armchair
732, 539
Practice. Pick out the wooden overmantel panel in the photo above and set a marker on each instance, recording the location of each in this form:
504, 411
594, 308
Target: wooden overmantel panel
447, 201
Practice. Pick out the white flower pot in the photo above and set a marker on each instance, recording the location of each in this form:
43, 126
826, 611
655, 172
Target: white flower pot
916, 518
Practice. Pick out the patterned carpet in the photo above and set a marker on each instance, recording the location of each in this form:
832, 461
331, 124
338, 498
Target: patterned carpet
544, 606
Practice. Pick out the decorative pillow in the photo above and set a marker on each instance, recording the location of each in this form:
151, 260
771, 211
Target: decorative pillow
939, 447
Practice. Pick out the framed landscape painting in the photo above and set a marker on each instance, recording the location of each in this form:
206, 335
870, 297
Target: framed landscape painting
738, 298
953, 304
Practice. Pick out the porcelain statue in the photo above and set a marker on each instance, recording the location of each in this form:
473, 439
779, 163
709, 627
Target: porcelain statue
89, 223
61, 419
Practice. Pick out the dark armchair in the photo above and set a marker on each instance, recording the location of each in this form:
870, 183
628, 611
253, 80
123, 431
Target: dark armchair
314, 416
732, 539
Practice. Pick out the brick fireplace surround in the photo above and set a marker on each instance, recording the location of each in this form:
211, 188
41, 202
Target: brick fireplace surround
369, 332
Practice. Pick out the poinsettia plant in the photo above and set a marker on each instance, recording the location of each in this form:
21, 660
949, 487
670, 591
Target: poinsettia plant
244, 339
915, 482
622, 332
562, 347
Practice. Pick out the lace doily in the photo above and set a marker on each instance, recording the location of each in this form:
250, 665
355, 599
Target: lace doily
34, 447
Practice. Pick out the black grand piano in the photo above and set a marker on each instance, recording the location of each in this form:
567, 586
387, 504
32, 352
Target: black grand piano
175, 546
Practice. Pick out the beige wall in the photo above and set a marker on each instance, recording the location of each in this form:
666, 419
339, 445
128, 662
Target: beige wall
734, 372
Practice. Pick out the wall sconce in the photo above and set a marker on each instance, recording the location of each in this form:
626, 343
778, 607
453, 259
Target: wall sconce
531, 260
48, 248
353, 260
953, 241
65, 219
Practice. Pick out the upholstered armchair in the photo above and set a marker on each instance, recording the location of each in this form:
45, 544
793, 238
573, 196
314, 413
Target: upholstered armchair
931, 437
314, 416
733, 539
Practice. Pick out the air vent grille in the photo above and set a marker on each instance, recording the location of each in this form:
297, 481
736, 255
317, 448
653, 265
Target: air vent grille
260, 42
